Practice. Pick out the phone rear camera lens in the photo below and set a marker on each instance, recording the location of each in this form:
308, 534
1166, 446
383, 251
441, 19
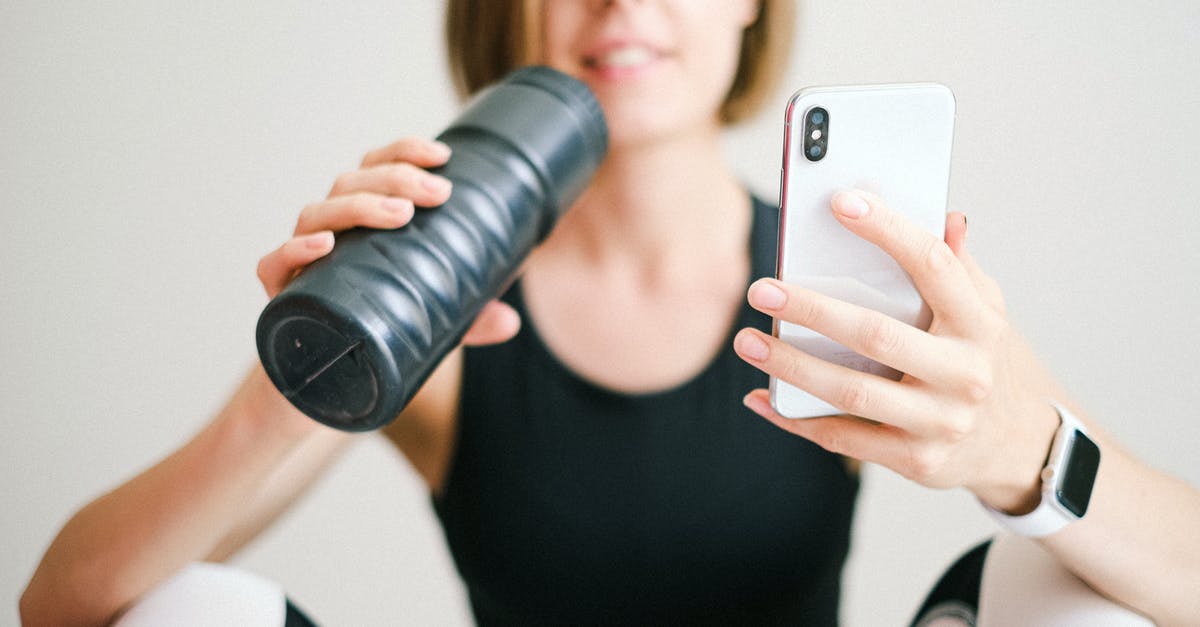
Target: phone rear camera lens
816, 133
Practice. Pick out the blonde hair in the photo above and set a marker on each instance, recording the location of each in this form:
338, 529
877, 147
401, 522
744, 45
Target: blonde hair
487, 39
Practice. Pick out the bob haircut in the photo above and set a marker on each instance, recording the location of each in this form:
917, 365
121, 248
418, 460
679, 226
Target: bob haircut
487, 39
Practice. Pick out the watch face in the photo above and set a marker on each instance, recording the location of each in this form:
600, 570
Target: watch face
1079, 475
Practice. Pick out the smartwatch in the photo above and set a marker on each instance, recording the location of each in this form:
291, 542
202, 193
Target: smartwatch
1067, 481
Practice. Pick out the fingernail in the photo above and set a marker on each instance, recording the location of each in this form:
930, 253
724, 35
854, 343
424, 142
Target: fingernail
440, 150
766, 295
319, 240
436, 184
396, 205
850, 204
748, 345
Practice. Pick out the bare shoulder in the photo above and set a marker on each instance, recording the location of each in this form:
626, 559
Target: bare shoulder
424, 431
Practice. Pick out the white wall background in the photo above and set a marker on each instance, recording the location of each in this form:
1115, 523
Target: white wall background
151, 152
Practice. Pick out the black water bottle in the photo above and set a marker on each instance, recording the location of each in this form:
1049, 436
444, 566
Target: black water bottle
352, 339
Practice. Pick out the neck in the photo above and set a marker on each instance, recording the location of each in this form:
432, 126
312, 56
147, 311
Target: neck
661, 207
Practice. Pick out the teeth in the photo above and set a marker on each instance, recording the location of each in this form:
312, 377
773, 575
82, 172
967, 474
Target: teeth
626, 57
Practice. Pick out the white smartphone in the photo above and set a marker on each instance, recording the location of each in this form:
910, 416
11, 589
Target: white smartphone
891, 140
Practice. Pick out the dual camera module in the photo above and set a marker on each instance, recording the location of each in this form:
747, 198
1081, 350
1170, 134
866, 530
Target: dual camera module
816, 133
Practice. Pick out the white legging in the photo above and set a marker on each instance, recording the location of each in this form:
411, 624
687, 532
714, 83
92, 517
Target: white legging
1021, 584
204, 594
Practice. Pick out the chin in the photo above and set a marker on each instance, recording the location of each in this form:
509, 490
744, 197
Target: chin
643, 121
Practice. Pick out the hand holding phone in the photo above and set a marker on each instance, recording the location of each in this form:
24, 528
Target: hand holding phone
890, 140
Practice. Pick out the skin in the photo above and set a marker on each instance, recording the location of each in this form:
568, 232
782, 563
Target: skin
653, 261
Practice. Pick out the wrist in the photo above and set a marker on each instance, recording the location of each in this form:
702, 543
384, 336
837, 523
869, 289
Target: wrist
1068, 478
260, 406
1016, 484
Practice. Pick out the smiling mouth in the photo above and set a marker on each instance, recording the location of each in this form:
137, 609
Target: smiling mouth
622, 58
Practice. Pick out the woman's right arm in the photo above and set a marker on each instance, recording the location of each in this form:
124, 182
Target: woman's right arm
180, 510
216, 493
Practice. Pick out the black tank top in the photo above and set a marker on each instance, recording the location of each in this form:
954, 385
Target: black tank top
568, 503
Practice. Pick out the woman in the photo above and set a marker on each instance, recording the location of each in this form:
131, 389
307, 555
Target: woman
600, 466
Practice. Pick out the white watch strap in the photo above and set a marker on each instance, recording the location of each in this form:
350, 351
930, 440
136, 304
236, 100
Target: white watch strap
1043, 521
1049, 516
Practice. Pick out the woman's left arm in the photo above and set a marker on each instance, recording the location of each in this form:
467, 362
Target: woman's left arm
973, 410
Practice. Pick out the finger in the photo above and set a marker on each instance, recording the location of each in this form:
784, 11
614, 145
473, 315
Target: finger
881, 444
426, 153
849, 390
402, 180
358, 209
937, 273
844, 435
278, 267
497, 323
956, 239
956, 231
865, 331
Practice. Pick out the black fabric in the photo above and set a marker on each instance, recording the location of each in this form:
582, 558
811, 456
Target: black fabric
293, 617
569, 503
957, 592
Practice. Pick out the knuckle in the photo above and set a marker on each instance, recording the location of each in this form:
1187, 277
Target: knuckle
361, 205
925, 463
938, 256
979, 383
854, 397
883, 215
385, 153
791, 370
307, 218
879, 336
399, 177
958, 427
804, 311
831, 440
263, 269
